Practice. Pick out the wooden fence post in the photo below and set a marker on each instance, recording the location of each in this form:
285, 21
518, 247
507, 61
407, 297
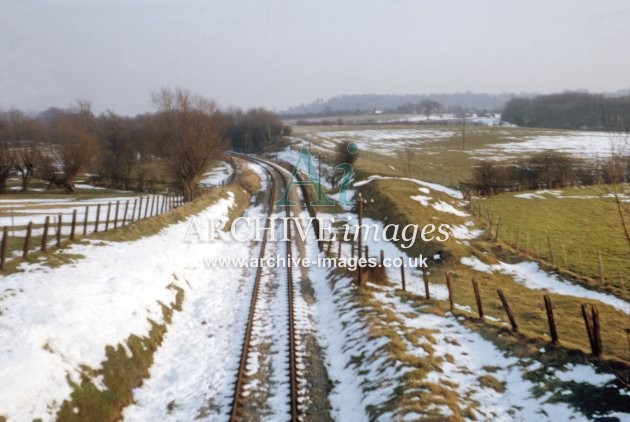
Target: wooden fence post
477, 298
3, 246
597, 336
366, 252
27, 239
339, 249
402, 276
59, 231
116, 214
552, 321
109, 208
45, 234
74, 224
85, 220
591, 321
451, 299
508, 311
588, 324
328, 247
425, 278
382, 257
360, 275
98, 216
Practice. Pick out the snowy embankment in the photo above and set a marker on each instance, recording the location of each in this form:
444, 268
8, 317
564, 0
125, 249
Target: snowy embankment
194, 369
468, 361
52, 321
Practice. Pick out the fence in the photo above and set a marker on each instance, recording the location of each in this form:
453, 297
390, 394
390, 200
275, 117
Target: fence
60, 227
590, 313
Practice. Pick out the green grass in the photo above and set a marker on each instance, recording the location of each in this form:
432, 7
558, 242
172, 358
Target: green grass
579, 231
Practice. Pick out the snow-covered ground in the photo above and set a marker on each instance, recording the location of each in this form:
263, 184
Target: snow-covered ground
22, 211
583, 144
388, 142
55, 320
195, 367
220, 173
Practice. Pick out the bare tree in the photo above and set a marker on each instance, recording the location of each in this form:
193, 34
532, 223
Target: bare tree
27, 157
190, 135
75, 153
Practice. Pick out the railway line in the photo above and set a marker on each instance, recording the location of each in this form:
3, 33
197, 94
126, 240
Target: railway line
277, 179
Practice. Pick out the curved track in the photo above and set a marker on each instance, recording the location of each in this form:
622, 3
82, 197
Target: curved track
275, 174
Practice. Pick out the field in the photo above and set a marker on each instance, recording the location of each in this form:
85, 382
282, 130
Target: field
578, 223
446, 154
577, 230
434, 154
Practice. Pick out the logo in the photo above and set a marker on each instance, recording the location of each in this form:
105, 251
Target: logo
312, 179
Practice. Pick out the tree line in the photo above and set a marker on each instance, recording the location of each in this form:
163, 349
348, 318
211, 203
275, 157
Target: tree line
549, 170
176, 143
570, 110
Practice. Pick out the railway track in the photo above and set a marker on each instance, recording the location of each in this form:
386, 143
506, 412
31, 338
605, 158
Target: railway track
276, 175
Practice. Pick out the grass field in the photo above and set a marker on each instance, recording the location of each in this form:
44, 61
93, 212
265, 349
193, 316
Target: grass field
580, 225
447, 154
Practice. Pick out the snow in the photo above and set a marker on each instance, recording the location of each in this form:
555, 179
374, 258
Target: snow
55, 320
472, 356
217, 175
332, 334
529, 196
204, 340
464, 233
448, 208
433, 186
583, 144
533, 277
583, 374
424, 200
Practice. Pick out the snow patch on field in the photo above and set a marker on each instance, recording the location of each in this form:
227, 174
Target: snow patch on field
448, 208
583, 144
531, 275
433, 186
464, 233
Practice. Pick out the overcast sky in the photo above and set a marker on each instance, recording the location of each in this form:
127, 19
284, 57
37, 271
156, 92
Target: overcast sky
279, 53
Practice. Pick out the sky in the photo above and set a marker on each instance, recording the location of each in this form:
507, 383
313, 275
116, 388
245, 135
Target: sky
281, 53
